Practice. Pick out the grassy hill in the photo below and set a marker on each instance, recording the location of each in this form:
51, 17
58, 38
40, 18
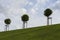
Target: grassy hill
37, 33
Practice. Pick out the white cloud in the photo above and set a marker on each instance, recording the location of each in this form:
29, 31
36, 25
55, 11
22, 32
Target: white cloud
55, 16
33, 11
23, 11
42, 1
30, 3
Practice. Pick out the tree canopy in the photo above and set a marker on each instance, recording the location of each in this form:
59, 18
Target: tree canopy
25, 17
47, 12
7, 21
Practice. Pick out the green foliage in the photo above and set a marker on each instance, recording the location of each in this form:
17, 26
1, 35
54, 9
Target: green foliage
48, 12
7, 21
25, 17
38, 33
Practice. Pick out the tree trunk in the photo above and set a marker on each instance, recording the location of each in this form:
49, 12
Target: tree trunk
47, 21
23, 24
26, 24
51, 21
7, 27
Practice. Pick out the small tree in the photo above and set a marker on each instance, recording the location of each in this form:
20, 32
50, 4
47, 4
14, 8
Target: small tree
25, 18
47, 13
7, 22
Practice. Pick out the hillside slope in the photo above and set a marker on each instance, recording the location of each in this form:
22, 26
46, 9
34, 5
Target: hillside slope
37, 33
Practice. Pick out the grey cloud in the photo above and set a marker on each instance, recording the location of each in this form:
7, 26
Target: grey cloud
1, 9
56, 6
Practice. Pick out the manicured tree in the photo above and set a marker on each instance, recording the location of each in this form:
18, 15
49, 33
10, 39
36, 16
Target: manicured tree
47, 13
7, 22
25, 18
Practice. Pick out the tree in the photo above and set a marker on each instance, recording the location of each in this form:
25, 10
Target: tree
25, 18
47, 13
7, 22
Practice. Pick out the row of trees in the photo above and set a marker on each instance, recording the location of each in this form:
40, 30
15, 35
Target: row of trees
25, 18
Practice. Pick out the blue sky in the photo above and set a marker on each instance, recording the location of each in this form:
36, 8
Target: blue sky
14, 9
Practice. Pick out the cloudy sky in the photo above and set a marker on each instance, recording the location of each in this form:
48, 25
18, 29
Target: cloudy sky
14, 9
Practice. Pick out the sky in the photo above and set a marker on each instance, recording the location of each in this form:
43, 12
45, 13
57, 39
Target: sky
14, 9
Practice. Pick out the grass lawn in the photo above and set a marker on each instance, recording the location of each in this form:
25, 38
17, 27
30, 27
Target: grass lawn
38, 33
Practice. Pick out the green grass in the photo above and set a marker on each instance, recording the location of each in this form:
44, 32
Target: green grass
37, 33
